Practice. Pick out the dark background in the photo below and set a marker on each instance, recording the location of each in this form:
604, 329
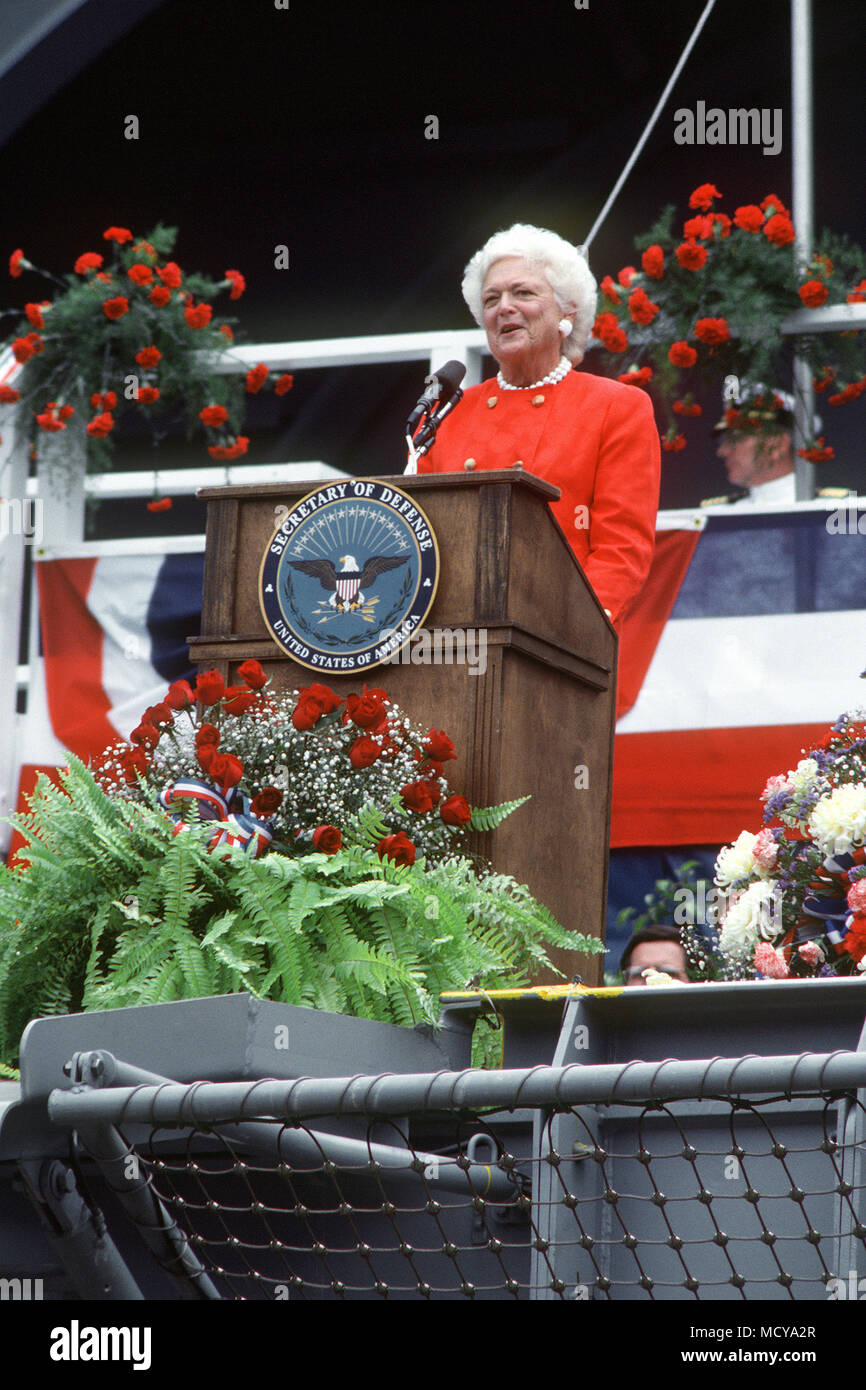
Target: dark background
305, 126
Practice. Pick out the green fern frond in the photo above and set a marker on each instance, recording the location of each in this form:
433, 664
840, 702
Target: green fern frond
488, 817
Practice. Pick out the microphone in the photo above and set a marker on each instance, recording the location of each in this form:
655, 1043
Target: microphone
440, 386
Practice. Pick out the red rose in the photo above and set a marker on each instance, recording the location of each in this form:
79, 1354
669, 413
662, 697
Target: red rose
698, 228
214, 416
636, 378
180, 696
712, 331
307, 712
397, 848
438, 746
256, 378
269, 800
159, 714
327, 839
626, 275
251, 674
749, 218
146, 734
364, 752
813, 293
118, 234
653, 262
682, 354
17, 264
148, 356
207, 734
691, 256
116, 308
610, 291
641, 307
238, 283
140, 274
329, 700
101, 425
703, 196
148, 394
230, 774
238, 699
673, 443
368, 710
210, 760
8, 395
34, 315
160, 504
456, 811
170, 275
417, 796
779, 230
198, 315
284, 384
687, 408
209, 687
160, 295
134, 764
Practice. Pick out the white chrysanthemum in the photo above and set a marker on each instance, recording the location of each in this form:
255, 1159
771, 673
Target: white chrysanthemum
736, 861
838, 822
804, 776
750, 916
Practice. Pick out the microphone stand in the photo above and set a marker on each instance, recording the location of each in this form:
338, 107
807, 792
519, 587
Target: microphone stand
427, 433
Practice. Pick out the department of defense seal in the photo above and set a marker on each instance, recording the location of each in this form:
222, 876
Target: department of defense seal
348, 576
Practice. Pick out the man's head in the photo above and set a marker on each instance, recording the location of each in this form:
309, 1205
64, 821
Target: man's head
658, 948
751, 458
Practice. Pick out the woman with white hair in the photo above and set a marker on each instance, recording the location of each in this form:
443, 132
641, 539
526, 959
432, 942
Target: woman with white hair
594, 438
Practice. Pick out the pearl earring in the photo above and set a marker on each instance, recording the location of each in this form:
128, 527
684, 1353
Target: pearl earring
565, 327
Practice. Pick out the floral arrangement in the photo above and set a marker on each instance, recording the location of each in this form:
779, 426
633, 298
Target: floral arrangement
295, 767
709, 304
129, 332
135, 886
795, 892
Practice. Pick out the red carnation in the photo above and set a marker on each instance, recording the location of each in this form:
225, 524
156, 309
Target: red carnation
160, 295
850, 393
284, 384
397, 848
721, 219
855, 939
101, 425
116, 308
148, 394
118, 234
170, 275
209, 687
687, 407
252, 674
104, 401
34, 315
813, 293
417, 796
268, 801
256, 378
438, 747
818, 453
779, 230
673, 443
48, 421
234, 451
823, 382
640, 377
160, 504
702, 197
140, 274
28, 346
238, 283
653, 262
327, 839
9, 395
180, 695
641, 307
214, 415
198, 315
712, 331
610, 291
626, 275
682, 354
227, 331
774, 202
148, 356
698, 228
17, 264
456, 811
749, 218
364, 752
858, 294
691, 256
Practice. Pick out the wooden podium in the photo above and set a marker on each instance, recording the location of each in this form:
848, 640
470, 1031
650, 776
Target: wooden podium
538, 721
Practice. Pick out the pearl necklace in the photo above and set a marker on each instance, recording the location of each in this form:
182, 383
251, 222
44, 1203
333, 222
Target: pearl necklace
559, 373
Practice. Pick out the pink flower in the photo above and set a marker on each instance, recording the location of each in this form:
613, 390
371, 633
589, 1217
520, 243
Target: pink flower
770, 962
765, 851
811, 953
857, 897
774, 786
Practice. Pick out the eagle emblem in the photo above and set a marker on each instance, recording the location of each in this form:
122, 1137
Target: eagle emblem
348, 584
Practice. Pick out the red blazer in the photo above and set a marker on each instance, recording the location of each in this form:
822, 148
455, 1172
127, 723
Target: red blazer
597, 441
